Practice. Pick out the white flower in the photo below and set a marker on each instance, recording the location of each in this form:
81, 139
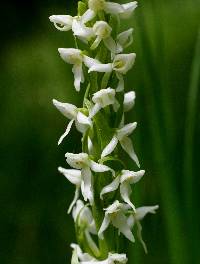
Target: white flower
124, 10
70, 111
137, 216
76, 24
103, 32
125, 179
124, 40
82, 162
112, 259
121, 136
83, 217
116, 215
121, 64
103, 98
74, 176
74, 57
85, 258
129, 101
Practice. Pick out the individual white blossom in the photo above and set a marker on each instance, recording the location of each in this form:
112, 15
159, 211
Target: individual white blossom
85, 258
116, 215
74, 57
124, 40
82, 162
121, 64
103, 98
124, 180
124, 10
129, 101
103, 33
76, 24
121, 136
77, 58
82, 122
137, 216
83, 218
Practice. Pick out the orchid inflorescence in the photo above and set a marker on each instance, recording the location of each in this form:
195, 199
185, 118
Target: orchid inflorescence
100, 173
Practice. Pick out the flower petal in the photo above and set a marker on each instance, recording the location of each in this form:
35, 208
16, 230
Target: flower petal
110, 187
128, 9
141, 212
87, 179
68, 110
66, 132
83, 119
110, 44
104, 226
87, 16
96, 43
125, 191
110, 147
77, 71
71, 55
120, 86
113, 8
76, 196
62, 22
126, 130
89, 62
127, 145
120, 222
125, 38
95, 109
74, 176
96, 167
100, 67
129, 101
79, 29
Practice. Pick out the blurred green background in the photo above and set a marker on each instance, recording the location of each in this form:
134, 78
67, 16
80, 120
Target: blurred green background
35, 227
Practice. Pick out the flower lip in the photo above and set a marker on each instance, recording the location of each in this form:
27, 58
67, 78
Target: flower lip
126, 130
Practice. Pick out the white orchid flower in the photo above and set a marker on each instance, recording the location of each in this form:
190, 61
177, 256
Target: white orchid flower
101, 99
129, 101
76, 24
74, 57
74, 176
124, 40
125, 179
83, 217
121, 64
103, 33
112, 259
121, 136
116, 215
82, 162
124, 10
82, 122
137, 216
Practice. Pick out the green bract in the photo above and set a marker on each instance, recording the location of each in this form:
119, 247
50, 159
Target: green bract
99, 173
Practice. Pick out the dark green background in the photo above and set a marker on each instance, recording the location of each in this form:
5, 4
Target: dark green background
34, 225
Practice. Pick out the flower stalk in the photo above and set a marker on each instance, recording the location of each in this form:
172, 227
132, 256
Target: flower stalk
103, 210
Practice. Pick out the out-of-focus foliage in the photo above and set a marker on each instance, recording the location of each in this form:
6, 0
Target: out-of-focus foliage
35, 227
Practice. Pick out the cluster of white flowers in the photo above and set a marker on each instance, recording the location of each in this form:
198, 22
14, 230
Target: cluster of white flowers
101, 120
